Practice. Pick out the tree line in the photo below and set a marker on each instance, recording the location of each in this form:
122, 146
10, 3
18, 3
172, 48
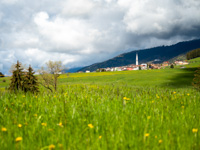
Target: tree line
193, 54
24, 79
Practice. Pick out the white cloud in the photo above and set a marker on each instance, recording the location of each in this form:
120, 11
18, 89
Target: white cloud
1, 66
159, 17
77, 7
9, 1
82, 32
65, 34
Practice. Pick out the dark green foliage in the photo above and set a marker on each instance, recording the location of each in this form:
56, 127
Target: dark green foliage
1, 75
22, 81
172, 66
30, 83
17, 78
193, 54
196, 80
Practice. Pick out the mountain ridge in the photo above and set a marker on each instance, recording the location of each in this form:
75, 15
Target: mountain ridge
164, 53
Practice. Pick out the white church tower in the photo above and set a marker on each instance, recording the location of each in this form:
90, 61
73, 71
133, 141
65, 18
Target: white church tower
136, 58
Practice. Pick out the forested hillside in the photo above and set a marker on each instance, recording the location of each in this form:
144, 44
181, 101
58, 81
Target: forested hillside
163, 53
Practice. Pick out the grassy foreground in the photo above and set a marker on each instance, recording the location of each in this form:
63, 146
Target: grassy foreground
153, 109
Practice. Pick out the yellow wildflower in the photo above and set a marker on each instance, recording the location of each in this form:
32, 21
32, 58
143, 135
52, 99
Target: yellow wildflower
35, 115
54, 96
100, 137
60, 124
152, 101
182, 106
35, 96
51, 146
147, 134
124, 98
128, 99
174, 92
50, 129
23, 96
3, 129
90, 125
188, 94
149, 117
160, 141
156, 136
44, 124
19, 125
18, 139
194, 130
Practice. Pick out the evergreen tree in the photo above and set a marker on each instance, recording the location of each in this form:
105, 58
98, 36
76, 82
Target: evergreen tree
196, 80
30, 83
17, 78
1, 75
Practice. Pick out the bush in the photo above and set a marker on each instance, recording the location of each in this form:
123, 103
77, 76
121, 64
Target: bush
196, 80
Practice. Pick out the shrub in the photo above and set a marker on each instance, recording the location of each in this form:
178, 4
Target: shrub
196, 80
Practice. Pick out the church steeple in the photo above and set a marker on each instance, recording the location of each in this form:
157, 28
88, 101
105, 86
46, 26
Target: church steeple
136, 58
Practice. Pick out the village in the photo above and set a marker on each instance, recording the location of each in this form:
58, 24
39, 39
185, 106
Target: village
143, 66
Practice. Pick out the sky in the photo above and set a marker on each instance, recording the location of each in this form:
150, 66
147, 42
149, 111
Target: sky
83, 32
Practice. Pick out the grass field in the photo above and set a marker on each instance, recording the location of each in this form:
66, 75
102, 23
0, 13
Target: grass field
147, 109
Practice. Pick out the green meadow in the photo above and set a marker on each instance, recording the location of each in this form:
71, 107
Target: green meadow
144, 109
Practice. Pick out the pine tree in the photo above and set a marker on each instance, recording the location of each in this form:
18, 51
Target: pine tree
17, 78
30, 83
196, 80
1, 75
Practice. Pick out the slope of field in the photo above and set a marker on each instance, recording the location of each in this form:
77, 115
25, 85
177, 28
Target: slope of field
194, 63
165, 78
150, 109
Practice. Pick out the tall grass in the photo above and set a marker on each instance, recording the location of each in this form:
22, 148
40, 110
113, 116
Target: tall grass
150, 109
101, 117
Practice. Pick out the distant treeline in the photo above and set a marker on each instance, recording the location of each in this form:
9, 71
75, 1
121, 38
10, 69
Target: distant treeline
193, 54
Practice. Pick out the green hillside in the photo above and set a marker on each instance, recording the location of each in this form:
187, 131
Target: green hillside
194, 63
166, 78
144, 109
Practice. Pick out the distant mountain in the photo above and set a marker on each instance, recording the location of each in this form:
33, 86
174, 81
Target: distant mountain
72, 70
161, 53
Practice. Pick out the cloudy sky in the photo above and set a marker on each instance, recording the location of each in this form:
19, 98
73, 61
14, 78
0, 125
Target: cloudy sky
82, 32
